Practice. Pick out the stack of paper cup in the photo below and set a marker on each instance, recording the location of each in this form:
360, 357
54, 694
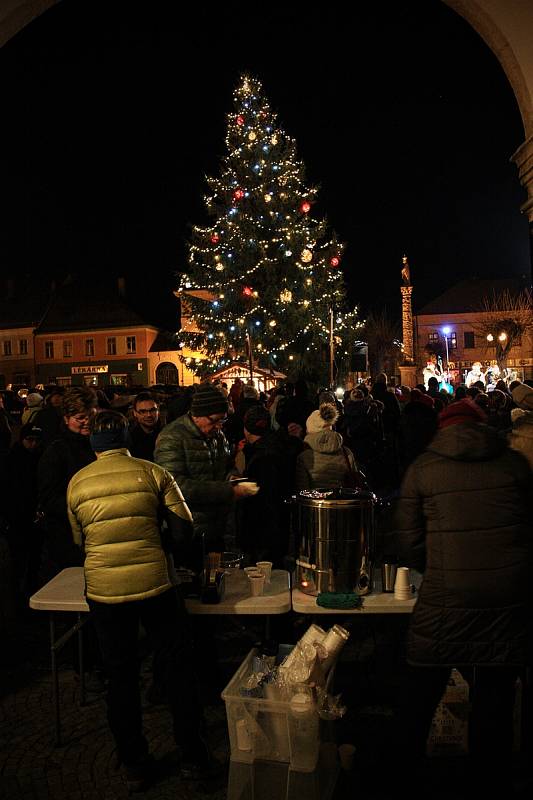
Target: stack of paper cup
266, 568
402, 586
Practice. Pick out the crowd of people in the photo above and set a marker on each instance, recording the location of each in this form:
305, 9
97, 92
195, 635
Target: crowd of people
122, 484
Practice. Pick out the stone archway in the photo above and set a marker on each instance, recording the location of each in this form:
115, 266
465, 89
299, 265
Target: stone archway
507, 28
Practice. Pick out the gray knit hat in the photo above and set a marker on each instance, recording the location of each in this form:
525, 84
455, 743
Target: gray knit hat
208, 400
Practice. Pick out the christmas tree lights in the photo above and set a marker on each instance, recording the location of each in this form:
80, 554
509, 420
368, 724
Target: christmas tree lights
265, 271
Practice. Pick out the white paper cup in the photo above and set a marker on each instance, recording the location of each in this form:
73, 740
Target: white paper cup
346, 756
266, 568
257, 583
252, 570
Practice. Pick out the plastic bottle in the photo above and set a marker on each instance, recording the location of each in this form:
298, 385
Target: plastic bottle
304, 733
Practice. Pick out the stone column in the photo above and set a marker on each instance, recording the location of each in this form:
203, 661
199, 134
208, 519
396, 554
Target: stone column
407, 325
523, 158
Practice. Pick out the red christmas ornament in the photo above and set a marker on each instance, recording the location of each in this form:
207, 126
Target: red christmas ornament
335, 261
215, 238
247, 291
240, 120
238, 194
306, 207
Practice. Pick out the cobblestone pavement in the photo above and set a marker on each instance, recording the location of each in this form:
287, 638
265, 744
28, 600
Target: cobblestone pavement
85, 768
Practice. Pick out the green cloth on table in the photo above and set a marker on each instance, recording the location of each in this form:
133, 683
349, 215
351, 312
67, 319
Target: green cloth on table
339, 600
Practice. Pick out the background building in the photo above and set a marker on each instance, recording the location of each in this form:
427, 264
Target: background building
451, 326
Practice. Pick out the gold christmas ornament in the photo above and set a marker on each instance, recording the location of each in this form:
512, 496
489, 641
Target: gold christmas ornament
252, 136
268, 198
306, 256
286, 296
274, 139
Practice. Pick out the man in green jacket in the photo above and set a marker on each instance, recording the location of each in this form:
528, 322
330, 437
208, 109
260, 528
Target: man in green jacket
195, 451
115, 506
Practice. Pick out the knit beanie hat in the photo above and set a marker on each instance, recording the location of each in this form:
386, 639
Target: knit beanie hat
33, 399
461, 412
109, 440
321, 420
523, 396
257, 420
250, 392
208, 400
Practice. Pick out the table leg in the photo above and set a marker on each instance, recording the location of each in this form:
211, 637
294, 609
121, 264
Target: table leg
80, 660
55, 681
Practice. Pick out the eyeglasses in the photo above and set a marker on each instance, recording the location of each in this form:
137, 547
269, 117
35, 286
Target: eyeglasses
217, 421
146, 410
81, 418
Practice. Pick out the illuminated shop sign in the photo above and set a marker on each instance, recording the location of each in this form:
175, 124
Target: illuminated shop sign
89, 370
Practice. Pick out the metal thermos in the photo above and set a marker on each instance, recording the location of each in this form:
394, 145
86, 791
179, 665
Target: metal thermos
335, 534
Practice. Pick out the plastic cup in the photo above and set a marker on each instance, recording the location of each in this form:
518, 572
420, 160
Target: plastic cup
402, 585
257, 583
388, 577
346, 756
266, 568
252, 571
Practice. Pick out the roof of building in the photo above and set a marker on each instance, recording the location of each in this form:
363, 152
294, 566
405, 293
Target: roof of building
467, 295
22, 303
163, 342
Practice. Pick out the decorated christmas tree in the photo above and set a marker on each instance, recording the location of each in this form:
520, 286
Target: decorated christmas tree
264, 276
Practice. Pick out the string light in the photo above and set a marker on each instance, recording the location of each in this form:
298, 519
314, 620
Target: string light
252, 245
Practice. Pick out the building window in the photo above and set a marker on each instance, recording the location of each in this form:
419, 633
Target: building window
433, 338
7, 348
48, 349
131, 344
23, 347
469, 340
452, 341
89, 347
64, 381
119, 380
112, 346
67, 348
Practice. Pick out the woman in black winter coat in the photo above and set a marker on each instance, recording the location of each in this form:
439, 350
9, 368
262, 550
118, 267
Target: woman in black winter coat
464, 520
60, 461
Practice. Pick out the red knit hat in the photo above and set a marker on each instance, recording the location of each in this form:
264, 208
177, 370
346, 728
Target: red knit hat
460, 412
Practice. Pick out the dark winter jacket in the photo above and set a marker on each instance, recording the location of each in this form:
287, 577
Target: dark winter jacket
263, 520
142, 444
199, 466
464, 519
59, 462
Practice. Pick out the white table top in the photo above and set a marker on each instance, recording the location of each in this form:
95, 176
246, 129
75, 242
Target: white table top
377, 602
276, 598
65, 592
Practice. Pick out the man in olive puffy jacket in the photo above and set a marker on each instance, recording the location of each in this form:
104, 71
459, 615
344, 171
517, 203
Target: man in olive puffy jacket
195, 451
115, 506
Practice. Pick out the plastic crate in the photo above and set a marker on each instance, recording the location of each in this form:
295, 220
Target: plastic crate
258, 727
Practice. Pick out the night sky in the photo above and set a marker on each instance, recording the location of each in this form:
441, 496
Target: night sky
402, 115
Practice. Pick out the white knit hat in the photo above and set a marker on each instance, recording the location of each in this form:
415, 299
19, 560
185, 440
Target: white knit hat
33, 399
323, 419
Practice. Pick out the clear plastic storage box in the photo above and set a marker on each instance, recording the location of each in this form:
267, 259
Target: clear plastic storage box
260, 727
